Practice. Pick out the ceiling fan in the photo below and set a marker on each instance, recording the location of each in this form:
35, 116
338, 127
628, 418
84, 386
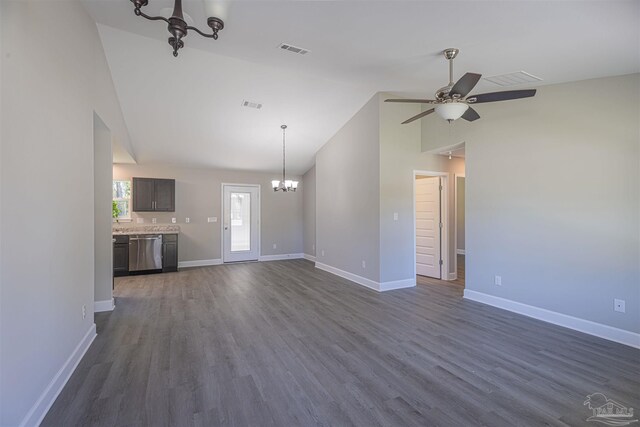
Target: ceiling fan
450, 102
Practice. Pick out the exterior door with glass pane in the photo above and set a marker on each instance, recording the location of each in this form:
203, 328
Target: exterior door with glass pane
240, 223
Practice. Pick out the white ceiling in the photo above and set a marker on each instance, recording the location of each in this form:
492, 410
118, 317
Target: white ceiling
187, 110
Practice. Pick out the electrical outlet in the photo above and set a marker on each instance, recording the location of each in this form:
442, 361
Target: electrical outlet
395, 216
322, 252
84, 311
153, 220
140, 220
498, 280
618, 305
173, 220
364, 264
212, 219
275, 246
187, 220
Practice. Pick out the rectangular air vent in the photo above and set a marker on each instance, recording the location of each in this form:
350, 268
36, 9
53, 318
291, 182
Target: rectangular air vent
250, 104
294, 49
513, 79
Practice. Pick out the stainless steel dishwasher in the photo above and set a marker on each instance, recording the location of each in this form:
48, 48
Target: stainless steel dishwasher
145, 252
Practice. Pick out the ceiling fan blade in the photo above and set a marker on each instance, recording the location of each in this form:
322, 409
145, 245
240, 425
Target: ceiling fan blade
470, 115
418, 101
419, 116
501, 96
465, 84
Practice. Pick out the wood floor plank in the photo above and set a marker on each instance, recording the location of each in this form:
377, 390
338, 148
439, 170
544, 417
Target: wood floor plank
285, 344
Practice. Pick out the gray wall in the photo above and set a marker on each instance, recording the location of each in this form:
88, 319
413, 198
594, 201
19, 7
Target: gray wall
309, 211
198, 196
553, 200
54, 76
102, 196
460, 195
365, 174
348, 195
400, 156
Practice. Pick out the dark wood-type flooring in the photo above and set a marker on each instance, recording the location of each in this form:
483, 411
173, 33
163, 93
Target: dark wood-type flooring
284, 344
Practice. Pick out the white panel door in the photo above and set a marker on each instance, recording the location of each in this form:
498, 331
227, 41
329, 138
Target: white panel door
240, 223
428, 227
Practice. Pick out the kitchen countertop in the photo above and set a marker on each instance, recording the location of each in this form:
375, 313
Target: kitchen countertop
145, 229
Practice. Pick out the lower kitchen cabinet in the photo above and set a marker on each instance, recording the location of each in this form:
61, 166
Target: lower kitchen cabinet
120, 255
169, 252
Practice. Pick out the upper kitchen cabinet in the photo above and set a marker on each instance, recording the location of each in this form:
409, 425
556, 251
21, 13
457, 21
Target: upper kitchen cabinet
154, 195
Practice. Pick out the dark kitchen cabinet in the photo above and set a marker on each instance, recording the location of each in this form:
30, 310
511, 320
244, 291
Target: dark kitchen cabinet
169, 252
120, 255
154, 195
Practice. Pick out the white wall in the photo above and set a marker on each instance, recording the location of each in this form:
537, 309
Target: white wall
553, 199
309, 211
348, 196
54, 76
198, 196
103, 194
460, 221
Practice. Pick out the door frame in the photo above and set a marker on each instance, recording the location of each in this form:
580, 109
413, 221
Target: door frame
455, 220
222, 185
444, 213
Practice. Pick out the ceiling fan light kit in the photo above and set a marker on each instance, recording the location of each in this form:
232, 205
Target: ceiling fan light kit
452, 110
451, 101
177, 25
286, 184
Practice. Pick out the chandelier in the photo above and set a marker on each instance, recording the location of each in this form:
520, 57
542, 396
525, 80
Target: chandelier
177, 25
285, 184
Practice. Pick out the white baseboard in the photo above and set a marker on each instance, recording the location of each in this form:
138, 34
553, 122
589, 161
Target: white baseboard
106, 305
610, 333
396, 284
310, 257
218, 261
199, 263
38, 411
371, 284
452, 276
460, 251
280, 257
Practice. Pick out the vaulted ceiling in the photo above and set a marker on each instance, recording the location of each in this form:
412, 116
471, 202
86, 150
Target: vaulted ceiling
187, 110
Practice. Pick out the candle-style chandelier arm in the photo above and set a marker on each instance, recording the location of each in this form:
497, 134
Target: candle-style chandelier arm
139, 12
215, 24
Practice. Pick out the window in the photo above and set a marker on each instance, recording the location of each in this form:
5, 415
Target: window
122, 197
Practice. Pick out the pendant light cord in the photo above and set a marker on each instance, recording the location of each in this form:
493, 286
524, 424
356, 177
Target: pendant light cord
283, 155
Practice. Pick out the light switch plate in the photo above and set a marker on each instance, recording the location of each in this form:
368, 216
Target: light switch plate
275, 246
212, 219
153, 220
173, 220
187, 220
139, 220
395, 216
498, 280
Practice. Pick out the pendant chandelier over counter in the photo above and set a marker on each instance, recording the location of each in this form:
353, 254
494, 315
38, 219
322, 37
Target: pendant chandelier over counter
285, 184
177, 25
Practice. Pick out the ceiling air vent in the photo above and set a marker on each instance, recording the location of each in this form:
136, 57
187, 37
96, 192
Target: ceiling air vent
294, 49
513, 79
250, 104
